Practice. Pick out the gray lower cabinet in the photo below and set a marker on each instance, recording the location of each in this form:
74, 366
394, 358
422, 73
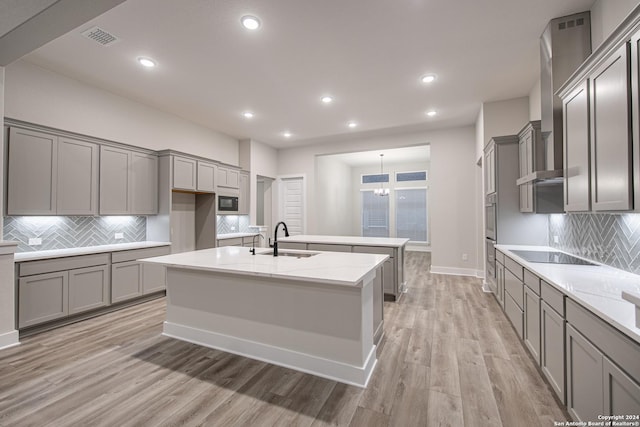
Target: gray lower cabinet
126, 281
42, 297
154, 278
531, 332
584, 377
88, 288
552, 348
500, 283
621, 393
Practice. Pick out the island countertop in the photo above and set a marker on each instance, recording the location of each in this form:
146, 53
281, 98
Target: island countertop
337, 268
347, 240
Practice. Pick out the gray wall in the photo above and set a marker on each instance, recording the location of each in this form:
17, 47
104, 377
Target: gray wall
334, 194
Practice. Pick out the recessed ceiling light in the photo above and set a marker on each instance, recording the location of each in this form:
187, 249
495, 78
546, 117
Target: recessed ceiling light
428, 78
352, 124
250, 22
247, 114
286, 134
431, 113
326, 99
146, 62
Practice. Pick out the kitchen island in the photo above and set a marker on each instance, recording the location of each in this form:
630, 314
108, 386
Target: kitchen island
317, 312
393, 269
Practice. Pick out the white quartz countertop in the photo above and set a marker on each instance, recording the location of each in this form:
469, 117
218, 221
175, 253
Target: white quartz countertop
596, 287
346, 240
325, 267
59, 253
234, 235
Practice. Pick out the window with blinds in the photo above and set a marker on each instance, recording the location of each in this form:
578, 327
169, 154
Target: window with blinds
375, 215
411, 214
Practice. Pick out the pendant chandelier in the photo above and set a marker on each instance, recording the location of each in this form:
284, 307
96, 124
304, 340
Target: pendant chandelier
381, 191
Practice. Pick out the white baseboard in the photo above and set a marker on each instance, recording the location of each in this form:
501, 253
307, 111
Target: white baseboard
454, 271
9, 339
486, 288
330, 369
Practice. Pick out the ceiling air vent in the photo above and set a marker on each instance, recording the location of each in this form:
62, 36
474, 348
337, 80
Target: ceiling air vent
101, 36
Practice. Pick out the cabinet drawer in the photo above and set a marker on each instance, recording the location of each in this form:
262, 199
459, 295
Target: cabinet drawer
499, 257
514, 267
532, 281
624, 352
329, 248
552, 296
514, 287
29, 268
374, 250
134, 254
514, 313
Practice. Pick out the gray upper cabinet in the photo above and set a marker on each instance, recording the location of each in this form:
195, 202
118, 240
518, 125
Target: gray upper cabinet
490, 169
577, 183
51, 175
184, 173
77, 185
206, 177
610, 134
33, 165
114, 181
244, 196
128, 182
530, 159
228, 177
144, 182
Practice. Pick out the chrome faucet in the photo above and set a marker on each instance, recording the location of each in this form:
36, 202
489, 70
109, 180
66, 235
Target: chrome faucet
275, 236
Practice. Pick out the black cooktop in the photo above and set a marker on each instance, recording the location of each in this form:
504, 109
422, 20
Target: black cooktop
551, 257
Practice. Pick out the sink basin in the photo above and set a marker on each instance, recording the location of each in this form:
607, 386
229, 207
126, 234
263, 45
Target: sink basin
291, 254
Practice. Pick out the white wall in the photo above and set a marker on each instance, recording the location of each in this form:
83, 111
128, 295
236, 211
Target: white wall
334, 197
452, 185
36, 95
260, 159
606, 15
506, 117
480, 134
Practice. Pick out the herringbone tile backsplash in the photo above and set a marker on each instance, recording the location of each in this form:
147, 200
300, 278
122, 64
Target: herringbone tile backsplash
233, 224
60, 232
612, 239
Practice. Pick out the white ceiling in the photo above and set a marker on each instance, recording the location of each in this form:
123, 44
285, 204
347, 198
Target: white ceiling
418, 153
368, 54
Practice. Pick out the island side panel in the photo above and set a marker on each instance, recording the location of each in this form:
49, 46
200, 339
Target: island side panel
319, 328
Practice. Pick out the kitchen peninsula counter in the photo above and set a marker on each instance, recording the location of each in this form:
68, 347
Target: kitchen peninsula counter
317, 312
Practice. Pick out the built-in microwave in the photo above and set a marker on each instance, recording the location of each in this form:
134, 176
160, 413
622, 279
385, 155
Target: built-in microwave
227, 204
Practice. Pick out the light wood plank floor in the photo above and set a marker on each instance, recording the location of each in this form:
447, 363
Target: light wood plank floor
449, 357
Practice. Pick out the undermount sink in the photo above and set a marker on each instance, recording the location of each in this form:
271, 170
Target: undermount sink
291, 254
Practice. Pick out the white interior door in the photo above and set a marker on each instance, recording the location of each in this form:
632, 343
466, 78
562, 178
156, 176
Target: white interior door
292, 203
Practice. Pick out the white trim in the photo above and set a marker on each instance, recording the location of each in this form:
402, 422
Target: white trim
9, 339
426, 176
486, 288
454, 271
418, 247
325, 368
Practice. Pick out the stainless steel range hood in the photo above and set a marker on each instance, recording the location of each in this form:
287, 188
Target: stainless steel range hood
564, 45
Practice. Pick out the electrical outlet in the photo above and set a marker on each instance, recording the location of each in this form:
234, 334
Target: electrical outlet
35, 241
233, 228
555, 239
465, 257
119, 236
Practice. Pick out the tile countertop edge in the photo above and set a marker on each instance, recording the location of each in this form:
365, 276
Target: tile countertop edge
628, 330
392, 242
86, 250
